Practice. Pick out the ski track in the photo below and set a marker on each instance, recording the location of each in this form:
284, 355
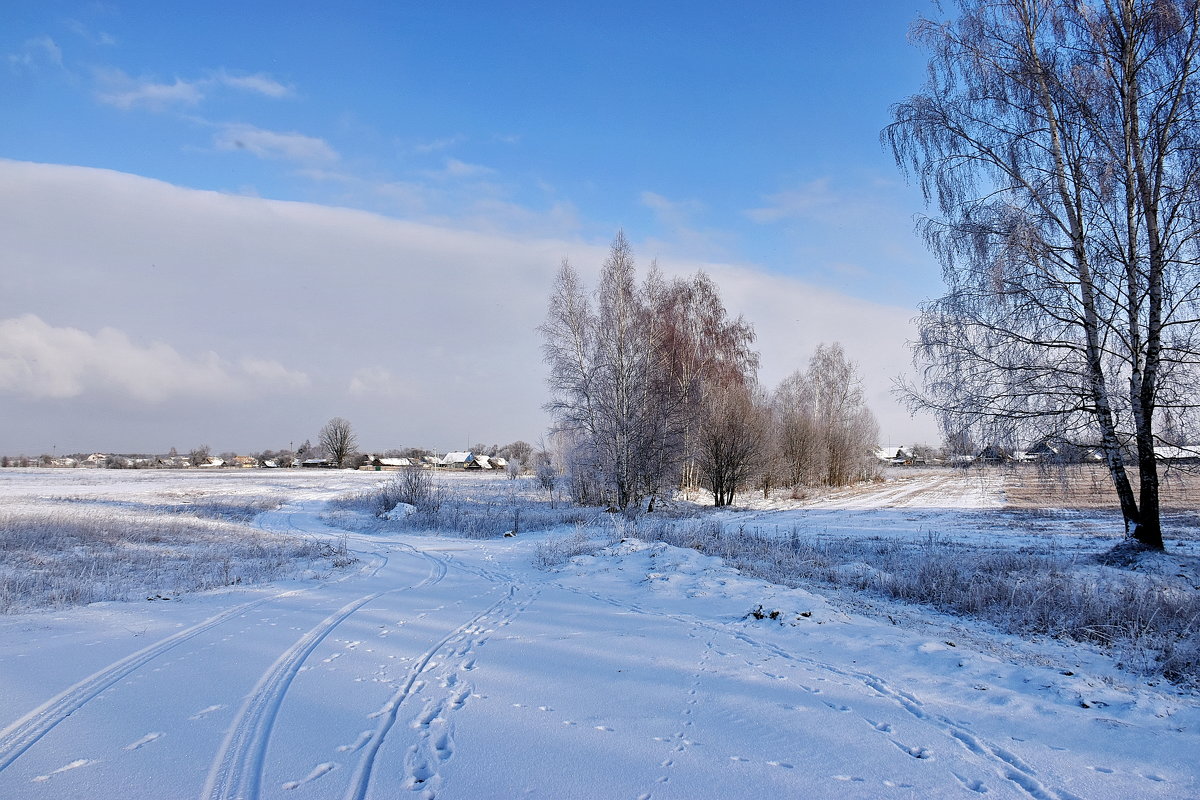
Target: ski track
25, 732
434, 743
1007, 767
237, 770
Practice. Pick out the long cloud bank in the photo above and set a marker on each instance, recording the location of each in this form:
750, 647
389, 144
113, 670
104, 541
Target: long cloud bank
246, 322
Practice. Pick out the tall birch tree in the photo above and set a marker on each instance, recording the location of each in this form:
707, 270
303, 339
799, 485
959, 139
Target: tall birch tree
1059, 143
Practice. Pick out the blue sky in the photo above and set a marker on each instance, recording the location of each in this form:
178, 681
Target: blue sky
737, 134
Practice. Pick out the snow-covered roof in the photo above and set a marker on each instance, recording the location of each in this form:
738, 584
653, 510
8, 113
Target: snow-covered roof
1171, 452
394, 462
888, 452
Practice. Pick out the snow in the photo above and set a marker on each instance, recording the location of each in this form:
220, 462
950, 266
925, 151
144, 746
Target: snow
453, 668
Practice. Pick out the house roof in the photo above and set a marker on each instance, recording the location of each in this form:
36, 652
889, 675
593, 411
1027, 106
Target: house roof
1171, 452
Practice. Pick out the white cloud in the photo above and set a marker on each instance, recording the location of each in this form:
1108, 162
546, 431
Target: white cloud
455, 169
684, 236
420, 334
258, 83
123, 92
274, 145
120, 90
272, 373
813, 200
439, 144
38, 360
380, 382
35, 52
83, 31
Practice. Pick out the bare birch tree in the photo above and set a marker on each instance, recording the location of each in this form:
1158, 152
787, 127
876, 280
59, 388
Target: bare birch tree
1059, 141
827, 432
627, 371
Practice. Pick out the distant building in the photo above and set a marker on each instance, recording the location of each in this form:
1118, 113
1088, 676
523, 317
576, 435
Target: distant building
379, 464
464, 459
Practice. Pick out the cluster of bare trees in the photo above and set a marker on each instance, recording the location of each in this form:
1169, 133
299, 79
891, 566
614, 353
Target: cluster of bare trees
654, 386
1061, 143
824, 433
635, 370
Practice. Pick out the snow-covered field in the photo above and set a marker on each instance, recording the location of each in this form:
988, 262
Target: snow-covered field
438, 666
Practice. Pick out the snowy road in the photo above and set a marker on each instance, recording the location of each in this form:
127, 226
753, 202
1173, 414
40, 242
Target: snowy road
453, 669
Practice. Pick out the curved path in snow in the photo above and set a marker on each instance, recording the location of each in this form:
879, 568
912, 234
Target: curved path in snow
443, 668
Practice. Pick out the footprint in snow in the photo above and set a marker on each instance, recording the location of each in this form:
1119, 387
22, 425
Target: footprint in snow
76, 764
318, 771
362, 739
145, 740
204, 712
973, 785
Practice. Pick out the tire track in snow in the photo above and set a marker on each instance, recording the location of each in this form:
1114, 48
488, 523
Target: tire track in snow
435, 733
27, 731
376, 560
237, 770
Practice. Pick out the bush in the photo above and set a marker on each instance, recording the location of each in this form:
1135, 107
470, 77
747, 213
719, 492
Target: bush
412, 486
482, 510
555, 551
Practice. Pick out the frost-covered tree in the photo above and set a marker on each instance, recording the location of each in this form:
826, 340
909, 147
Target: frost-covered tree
1060, 142
628, 364
827, 433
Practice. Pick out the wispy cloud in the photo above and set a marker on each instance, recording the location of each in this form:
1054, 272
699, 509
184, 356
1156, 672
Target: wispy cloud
38, 360
672, 213
123, 92
87, 34
258, 83
677, 219
289, 146
438, 145
380, 382
454, 169
813, 200
34, 53
116, 88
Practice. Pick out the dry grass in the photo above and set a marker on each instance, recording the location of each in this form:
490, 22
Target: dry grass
1088, 486
63, 553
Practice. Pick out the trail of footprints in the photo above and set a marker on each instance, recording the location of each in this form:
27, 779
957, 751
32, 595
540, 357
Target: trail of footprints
1004, 765
440, 677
